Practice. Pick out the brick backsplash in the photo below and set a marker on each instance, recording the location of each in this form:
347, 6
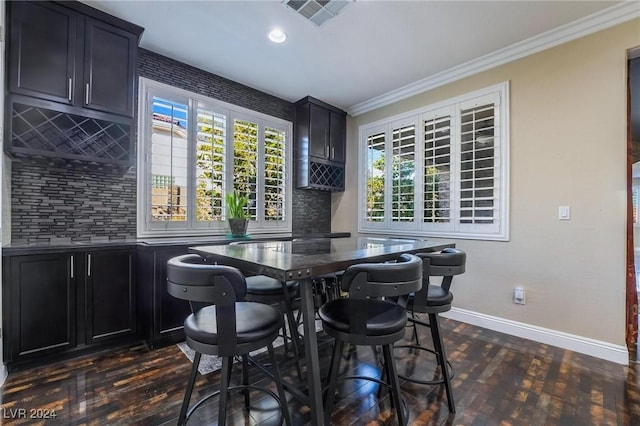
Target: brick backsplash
60, 203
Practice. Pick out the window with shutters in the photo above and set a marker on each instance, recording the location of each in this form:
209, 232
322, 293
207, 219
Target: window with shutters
192, 150
447, 173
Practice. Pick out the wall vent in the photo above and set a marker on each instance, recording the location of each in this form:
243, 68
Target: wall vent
317, 11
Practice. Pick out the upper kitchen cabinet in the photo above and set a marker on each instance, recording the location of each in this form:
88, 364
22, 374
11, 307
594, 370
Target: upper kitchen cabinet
71, 83
74, 55
320, 134
42, 50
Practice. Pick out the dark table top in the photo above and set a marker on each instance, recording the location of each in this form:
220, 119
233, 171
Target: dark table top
286, 260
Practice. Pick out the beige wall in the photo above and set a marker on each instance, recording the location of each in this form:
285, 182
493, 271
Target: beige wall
568, 147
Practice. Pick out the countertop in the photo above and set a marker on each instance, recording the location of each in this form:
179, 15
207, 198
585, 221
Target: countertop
74, 246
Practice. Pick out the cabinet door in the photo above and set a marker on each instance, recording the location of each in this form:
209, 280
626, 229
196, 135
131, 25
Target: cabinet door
110, 295
41, 308
337, 137
42, 50
169, 313
318, 131
109, 68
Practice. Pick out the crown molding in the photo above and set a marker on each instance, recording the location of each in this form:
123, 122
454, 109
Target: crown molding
598, 21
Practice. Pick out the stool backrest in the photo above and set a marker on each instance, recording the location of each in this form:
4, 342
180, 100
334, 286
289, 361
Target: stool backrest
190, 277
376, 280
446, 264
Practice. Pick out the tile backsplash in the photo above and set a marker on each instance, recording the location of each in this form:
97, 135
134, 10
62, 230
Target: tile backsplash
56, 204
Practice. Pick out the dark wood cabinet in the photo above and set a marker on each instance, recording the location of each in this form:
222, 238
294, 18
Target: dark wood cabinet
163, 315
109, 68
320, 135
59, 53
338, 136
110, 308
42, 47
319, 119
61, 303
71, 82
327, 132
40, 300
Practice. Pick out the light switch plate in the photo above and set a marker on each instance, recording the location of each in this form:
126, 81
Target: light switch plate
564, 212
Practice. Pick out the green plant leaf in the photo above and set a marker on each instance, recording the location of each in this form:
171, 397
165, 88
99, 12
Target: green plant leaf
236, 205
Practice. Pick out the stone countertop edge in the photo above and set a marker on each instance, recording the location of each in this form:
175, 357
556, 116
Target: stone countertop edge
147, 243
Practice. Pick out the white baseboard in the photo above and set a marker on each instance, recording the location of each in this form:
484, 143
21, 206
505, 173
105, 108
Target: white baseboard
604, 350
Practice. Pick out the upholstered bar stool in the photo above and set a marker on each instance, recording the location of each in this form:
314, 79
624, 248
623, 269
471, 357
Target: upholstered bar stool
222, 324
365, 318
432, 300
263, 289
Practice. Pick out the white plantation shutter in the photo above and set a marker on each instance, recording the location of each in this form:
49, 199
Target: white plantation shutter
479, 174
245, 157
168, 161
210, 167
403, 144
274, 174
446, 170
375, 178
437, 169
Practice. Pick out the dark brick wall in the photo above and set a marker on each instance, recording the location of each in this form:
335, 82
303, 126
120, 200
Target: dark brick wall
53, 202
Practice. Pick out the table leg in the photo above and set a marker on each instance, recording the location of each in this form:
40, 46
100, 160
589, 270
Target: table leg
314, 382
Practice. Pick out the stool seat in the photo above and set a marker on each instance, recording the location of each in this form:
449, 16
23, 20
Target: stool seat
437, 297
267, 286
254, 322
382, 317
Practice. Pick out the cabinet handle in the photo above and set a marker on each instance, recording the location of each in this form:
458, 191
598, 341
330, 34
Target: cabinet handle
326, 152
70, 84
72, 268
86, 94
333, 153
88, 265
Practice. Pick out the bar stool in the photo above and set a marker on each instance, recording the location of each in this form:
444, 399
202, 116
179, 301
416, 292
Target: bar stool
432, 300
264, 289
364, 318
215, 293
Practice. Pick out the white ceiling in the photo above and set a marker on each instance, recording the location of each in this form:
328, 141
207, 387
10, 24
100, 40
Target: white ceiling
370, 49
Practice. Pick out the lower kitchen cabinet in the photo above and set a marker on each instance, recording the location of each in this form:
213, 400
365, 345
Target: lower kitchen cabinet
163, 315
65, 302
110, 308
40, 301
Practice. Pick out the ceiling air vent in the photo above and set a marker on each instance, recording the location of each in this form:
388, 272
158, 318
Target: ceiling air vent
317, 11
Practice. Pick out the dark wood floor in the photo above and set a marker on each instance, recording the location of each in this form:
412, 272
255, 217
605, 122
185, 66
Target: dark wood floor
500, 380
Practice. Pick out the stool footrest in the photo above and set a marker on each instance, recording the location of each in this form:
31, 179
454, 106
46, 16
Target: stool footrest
232, 388
425, 382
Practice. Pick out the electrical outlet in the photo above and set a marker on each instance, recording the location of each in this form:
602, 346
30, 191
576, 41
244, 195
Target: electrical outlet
519, 296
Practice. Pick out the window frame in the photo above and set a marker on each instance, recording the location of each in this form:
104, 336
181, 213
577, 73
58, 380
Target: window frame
499, 230
191, 227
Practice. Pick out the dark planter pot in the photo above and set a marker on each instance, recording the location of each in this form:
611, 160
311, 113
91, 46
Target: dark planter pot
238, 227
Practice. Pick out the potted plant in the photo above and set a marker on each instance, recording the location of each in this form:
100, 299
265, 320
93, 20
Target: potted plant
237, 213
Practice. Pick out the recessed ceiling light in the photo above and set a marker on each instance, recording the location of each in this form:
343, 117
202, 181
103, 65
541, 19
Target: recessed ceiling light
277, 35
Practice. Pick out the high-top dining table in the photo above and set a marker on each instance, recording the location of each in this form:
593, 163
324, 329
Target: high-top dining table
302, 260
